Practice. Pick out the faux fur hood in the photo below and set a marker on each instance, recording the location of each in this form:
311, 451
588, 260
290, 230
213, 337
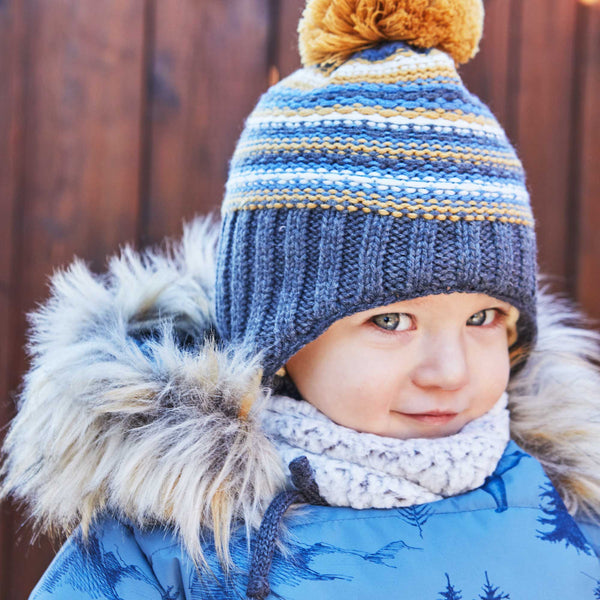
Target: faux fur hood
133, 406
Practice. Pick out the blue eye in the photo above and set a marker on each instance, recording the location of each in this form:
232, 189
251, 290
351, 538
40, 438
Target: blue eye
483, 317
393, 321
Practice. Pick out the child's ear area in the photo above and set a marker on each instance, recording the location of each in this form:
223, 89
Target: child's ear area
283, 385
518, 351
511, 325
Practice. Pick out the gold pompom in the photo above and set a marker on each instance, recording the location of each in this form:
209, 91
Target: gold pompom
331, 30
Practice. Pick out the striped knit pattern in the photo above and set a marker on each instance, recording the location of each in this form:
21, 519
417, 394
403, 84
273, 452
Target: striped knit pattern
382, 180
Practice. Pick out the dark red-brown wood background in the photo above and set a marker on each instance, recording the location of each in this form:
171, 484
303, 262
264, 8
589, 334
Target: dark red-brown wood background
118, 117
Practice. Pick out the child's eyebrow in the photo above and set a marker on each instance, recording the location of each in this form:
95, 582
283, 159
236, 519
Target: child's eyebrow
501, 302
423, 299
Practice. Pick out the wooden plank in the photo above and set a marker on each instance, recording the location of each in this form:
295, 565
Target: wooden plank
487, 75
14, 540
286, 58
588, 159
83, 128
80, 153
11, 117
544, 99
210, 66
81, 180
11, 122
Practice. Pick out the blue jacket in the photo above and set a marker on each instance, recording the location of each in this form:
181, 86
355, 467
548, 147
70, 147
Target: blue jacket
511, 538
136, 426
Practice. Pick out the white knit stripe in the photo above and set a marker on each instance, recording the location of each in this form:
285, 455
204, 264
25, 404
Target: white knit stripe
396, 64
336, 119
475, 187
307, 77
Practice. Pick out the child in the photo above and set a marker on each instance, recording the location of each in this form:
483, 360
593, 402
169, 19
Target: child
375, 295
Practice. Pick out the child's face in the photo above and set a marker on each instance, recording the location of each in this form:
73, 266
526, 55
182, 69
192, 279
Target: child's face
418, 368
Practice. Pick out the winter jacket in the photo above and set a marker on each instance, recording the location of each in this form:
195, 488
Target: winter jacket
138, 432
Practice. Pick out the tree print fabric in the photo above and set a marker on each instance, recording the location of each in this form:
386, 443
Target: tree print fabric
498, 542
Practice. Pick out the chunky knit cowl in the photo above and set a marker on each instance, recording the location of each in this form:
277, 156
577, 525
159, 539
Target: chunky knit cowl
363, 470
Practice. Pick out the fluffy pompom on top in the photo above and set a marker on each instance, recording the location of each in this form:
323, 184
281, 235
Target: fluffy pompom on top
331, 30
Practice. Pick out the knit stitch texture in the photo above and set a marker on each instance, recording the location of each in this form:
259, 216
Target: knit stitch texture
380, 181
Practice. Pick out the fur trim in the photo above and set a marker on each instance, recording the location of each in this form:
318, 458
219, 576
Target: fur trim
131, 406
123, 412
555, 403
330, 31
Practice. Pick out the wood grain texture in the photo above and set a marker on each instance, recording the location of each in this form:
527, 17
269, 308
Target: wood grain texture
587, 161
210, 65
544, 128
78, 186
11, 124
11, 162
286, 57
487, 74
81, 141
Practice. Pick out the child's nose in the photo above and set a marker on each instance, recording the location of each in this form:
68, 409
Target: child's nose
443, 364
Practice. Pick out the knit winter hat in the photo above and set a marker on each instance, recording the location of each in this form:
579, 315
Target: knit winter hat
371, 176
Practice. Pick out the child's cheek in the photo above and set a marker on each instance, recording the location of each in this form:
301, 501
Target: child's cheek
489, 374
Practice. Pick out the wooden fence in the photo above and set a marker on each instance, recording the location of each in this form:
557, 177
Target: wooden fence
118, 117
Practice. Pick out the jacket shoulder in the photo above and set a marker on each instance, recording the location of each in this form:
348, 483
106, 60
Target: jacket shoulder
106, 563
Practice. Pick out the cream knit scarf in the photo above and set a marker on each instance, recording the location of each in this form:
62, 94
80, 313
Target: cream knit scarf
364, 470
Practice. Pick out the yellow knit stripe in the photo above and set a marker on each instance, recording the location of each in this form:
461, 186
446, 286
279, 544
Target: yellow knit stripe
390, 200
339, 141
322, 203
367, 146
419, 111
401, 74
305, 85
296, 197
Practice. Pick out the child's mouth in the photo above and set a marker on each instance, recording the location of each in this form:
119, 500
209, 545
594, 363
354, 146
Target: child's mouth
433, 418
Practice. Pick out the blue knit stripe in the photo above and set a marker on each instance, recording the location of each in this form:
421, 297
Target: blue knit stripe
450, 108
428, 95
271, 156
409, 132
449, 90
377, 164
384, 51
334, 109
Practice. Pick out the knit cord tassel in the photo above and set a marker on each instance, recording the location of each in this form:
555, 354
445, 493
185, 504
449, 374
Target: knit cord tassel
306, 492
